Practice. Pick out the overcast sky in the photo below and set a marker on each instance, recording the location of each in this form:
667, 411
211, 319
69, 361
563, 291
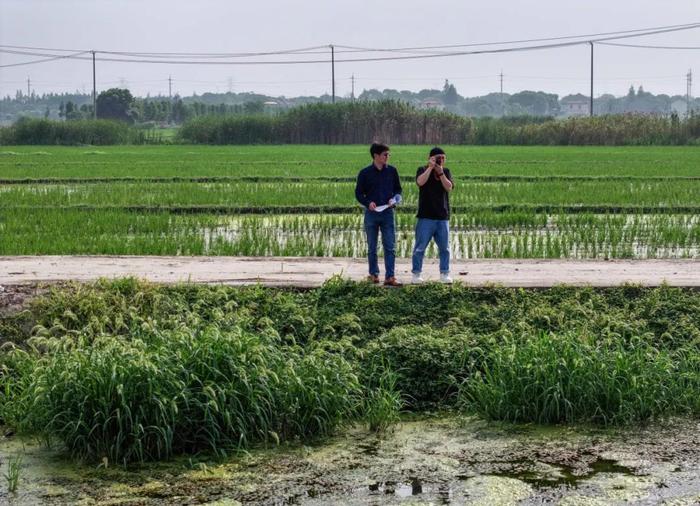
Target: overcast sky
214, 26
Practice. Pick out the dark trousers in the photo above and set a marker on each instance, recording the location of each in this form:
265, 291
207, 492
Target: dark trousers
374, 222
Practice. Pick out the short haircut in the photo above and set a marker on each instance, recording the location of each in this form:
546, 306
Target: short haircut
437, 151
377, 148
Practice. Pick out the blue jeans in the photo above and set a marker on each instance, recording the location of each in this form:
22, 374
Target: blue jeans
425, 231
374, 222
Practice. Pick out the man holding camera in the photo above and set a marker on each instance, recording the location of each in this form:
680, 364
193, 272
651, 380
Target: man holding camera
435, 184
378, 189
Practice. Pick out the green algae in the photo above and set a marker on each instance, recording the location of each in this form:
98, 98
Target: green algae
440, 460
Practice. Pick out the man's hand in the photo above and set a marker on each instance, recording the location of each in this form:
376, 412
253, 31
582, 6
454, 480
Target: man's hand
372, 206
431, 163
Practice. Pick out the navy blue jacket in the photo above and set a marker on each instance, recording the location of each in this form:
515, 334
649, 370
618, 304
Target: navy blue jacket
378, 186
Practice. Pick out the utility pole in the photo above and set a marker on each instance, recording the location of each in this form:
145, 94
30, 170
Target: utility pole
688, 90
591, 43
352, 93
94, 88
503, 103
333, 72
170, 87
29, 87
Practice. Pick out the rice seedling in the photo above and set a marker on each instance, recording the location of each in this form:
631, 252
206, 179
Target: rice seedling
13, 473
343, 161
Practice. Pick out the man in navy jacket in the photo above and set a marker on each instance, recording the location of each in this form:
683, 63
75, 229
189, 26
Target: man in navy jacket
378, 189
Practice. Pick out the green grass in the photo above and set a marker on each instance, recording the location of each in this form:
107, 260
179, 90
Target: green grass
552, 378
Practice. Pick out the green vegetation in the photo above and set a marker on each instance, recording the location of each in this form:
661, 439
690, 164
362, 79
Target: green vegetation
343, 123
96, 132
475, 234
12, 475
394, 121
148, 162
566, 378
299, 201
669, 193
133, 371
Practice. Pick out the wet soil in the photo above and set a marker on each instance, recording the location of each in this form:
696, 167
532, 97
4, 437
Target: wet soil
13, 298
445, 460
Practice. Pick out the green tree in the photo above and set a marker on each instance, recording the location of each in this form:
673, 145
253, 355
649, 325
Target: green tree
450, 96
115, 103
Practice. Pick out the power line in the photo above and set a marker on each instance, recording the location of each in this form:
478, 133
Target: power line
644, 46
322, 49
166, 54
52, 58
597, 39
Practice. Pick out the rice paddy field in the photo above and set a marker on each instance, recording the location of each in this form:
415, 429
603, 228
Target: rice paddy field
509, 202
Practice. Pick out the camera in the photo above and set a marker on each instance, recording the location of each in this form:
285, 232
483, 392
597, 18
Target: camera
439, 159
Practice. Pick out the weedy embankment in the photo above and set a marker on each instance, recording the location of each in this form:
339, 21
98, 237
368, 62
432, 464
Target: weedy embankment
131, 371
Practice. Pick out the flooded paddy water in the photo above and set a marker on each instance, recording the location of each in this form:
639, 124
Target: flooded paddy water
440, 460
637, 236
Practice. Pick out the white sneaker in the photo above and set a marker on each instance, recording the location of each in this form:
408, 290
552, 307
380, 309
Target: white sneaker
445, 278
417, 279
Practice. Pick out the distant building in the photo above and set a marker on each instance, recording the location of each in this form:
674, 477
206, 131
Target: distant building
431, 103
575, 105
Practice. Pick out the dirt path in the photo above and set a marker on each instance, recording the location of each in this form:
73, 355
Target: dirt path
308, 272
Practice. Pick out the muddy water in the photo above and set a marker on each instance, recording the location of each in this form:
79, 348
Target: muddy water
447, 460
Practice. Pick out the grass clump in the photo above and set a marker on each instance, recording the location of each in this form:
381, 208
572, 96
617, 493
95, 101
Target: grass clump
565, 378
128, 400
382, 402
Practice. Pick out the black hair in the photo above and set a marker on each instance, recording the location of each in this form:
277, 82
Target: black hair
437, 151
377, 148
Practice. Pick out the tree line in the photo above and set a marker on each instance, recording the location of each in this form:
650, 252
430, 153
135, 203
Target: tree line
176, 110
388, 121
